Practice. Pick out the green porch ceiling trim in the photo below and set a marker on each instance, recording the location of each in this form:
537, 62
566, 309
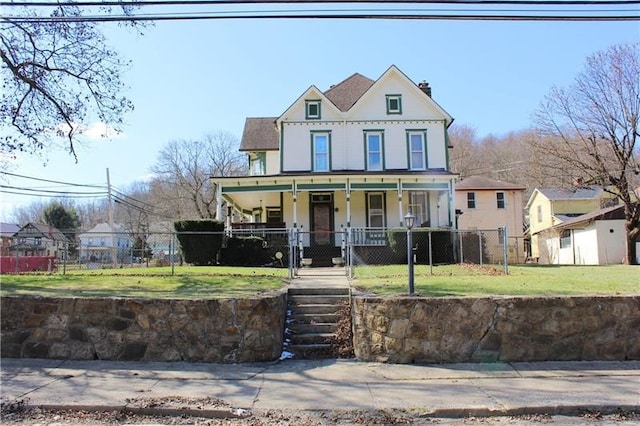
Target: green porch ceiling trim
441, 186
380, 185
256, 188
321, 186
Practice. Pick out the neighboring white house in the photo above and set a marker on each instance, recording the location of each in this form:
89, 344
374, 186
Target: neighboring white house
596, 238
100, 244
359, 155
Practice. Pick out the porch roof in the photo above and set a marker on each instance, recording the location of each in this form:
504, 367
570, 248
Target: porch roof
244, 189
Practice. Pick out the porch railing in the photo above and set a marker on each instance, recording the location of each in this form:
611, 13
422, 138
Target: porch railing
369, 236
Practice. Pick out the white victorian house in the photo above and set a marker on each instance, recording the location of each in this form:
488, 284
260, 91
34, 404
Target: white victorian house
359, 155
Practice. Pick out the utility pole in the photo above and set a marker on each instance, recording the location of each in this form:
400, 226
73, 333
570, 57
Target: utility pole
114, 256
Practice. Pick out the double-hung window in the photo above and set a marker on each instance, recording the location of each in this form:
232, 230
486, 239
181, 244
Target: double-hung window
418, 206
375, 210
321, 151
374, 146
417, 149
500, 200
257, 164
471, 200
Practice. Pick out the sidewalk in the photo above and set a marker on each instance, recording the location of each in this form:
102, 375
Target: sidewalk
453, 390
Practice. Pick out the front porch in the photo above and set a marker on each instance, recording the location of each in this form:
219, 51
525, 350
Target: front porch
320, 207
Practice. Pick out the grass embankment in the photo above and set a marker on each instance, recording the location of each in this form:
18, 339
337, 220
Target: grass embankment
186, 283
474, 280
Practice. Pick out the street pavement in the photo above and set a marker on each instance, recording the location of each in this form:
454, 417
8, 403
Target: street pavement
447, 390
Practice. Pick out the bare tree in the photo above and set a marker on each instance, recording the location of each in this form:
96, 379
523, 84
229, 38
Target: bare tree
57, 75
594, 125
184, 169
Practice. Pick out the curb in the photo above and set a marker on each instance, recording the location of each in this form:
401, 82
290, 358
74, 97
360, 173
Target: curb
451, 413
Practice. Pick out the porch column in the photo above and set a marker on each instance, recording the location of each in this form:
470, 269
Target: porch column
348, 188
295, 204
452, 205
400, 212
218, 201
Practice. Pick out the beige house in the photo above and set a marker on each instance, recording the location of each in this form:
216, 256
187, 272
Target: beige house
359, 155
549, 207
488, 204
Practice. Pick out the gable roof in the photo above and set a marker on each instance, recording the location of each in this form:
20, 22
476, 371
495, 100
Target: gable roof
347, 92
47, 231
485, 183
259, 134
556, 194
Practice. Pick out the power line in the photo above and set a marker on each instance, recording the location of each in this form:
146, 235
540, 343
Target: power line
52, 181
374, 16
258, 2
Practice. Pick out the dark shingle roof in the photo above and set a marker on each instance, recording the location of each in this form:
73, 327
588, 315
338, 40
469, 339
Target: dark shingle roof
346, 93
259, 134
481, 182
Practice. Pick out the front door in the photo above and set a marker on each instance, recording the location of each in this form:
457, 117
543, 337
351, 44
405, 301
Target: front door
321, 218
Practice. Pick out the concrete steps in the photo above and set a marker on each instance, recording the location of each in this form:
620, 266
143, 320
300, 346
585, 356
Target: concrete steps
312, 319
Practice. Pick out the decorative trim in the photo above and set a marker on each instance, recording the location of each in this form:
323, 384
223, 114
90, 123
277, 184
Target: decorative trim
257, 188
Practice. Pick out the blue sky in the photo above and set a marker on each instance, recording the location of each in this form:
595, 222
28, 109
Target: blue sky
191, 78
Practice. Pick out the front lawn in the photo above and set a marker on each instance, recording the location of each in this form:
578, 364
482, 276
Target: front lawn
474, 280
187, 282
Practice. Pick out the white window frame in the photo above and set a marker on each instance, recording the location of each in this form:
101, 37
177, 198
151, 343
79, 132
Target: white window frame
472, 202
422, 152
307, 110
315, 136
501, 200
380, 135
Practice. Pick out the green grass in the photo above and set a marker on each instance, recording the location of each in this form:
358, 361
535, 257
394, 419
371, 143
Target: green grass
469, 280
222, 282
187, 283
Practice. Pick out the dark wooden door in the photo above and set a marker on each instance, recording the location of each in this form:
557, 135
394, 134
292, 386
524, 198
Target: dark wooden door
321, 223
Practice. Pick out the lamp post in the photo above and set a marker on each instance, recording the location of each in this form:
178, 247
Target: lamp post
409, 220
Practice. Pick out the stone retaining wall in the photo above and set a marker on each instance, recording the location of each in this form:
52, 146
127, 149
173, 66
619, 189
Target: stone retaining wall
217, 330
426, 330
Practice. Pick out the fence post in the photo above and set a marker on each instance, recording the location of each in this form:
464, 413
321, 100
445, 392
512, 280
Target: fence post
460, 247
172, 246
505, 237
480, 246
350, 251
430, 254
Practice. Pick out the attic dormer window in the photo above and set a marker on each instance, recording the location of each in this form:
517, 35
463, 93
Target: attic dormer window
394, 104
312, 110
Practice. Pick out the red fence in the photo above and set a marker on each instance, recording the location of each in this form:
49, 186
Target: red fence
26, 264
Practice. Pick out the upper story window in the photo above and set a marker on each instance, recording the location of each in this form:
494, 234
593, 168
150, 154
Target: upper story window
500, 200
37, 241
471, 200
417, 152
394, 104
539, 213
257, 164
321, 151
374, 146
312, 110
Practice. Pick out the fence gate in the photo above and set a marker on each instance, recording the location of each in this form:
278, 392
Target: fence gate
314, 249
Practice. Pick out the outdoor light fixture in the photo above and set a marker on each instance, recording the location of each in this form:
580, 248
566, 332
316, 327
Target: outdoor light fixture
409, 220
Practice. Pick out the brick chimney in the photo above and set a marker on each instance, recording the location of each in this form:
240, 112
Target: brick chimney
424, 86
